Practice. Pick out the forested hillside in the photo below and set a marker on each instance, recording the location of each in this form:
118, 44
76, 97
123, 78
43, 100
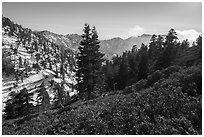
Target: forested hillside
152, 90
36, 66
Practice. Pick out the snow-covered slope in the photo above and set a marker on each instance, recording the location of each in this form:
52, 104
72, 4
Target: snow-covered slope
32, 53
36, 59
71, 41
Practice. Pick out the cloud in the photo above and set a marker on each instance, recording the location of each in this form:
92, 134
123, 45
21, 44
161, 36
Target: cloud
191, 35
136, 31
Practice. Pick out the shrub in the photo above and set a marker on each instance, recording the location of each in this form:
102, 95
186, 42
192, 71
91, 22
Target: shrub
135, 87
191, 80
162, 109
7, 67
161, 74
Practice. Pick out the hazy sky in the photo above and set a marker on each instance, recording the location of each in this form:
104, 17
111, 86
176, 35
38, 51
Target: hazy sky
111, 19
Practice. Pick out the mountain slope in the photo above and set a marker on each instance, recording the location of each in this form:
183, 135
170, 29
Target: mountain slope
108, 47
34, 52
118, 45
30, 59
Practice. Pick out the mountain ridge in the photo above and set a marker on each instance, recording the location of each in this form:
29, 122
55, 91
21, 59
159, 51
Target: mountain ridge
109, 47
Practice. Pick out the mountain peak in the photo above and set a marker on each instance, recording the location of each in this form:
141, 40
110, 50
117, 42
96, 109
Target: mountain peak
135, 37
117, 38
145, 35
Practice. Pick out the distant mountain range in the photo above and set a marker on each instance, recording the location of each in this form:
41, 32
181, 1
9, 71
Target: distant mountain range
109, 47
119, 45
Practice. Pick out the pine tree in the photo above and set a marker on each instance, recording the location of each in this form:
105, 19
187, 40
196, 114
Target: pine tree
18, 105
109, 74
152, 47
155, 51
123, 74
199, 44
44, 96
10, 107
159, 45
184, 45
89, 61
143, 65
169, 52
152, 52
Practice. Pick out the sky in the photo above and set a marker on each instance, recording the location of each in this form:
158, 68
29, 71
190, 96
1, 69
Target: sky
116, 19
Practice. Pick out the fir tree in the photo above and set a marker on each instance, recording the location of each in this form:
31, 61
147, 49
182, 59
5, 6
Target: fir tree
170, 51
184, 45
152, 47
89, 61
44, 97
143, 65
199, 44
109, 74
123, 74
18, 105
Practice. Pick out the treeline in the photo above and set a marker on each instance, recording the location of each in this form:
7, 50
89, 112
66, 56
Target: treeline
161, 53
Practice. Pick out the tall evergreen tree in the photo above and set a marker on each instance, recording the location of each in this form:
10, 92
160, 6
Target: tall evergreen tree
171, 37
132, 64
159, 45
169, 53
123, 74
199, 44
89, 61
152, 47
152, 52
44, 96
143, 65
184, 45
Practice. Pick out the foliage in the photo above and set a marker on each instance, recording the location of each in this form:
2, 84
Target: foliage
7, 67
190, 79
160, 74
160, 89
192, 55
169, 52
89, 62
135, 87
164, 108
18, 105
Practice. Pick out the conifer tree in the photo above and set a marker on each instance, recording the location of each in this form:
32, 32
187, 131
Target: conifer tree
184, 45
159, 45
169, 53
109, 75
143, 65
20, 62
152, 47
199, 44
89, 61
44, 96
18, 105
123, 74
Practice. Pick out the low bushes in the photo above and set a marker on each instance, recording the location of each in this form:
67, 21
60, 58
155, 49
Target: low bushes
167, 107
